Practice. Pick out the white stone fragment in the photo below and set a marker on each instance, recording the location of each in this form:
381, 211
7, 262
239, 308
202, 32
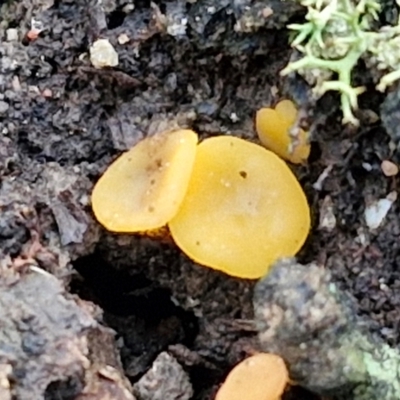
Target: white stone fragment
123, 38
165, 380
177, 28
12, 35
103, 54
321, 179
376, 212
327, 219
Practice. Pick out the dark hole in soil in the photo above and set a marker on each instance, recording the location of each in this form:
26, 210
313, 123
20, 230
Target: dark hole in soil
120, 293
115, 19
298, 393
147, 321
53, 64
142, 314
25, 145
359, 173
315, 152
64, 390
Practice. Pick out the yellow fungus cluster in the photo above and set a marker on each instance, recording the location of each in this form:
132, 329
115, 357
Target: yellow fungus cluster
273, 127
229, 204
262, 376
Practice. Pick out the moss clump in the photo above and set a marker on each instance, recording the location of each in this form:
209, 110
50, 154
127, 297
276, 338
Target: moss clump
336, 34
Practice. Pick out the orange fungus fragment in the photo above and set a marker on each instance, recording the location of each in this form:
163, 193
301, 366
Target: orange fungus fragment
243, 210
260, 377
273, 129
143, 189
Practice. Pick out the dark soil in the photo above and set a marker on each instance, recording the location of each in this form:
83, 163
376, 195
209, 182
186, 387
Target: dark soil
62, 122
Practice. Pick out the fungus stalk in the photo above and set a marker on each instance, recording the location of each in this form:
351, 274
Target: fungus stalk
302, 316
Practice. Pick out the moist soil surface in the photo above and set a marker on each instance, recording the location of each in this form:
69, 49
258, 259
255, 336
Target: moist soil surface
206, 65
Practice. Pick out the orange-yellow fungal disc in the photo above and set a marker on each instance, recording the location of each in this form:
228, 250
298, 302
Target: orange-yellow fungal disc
259, 377
273, 128
143, 189
287, 110
243, 210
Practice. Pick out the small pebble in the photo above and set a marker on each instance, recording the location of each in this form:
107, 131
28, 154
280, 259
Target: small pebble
327, 219
177, 27
367, 166
267, 12
389, 168
166, 380
33, 34
16, 85
234, 117
3, 107
123, 38
128, 8
12, 35
47, 93
103, 54
376, 212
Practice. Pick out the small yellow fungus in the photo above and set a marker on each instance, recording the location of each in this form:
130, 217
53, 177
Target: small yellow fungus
243, 210
273, 129
262, 376
143, 189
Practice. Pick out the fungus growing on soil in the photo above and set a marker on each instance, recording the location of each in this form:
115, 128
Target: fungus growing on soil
262, 376
143, 189
273, 128
243, 209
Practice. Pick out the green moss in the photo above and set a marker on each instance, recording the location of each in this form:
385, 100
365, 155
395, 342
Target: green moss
336, 34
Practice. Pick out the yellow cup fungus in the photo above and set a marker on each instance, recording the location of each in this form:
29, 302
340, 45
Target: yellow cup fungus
262, 376
243, 209
273, 129
143, 189
229, 204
